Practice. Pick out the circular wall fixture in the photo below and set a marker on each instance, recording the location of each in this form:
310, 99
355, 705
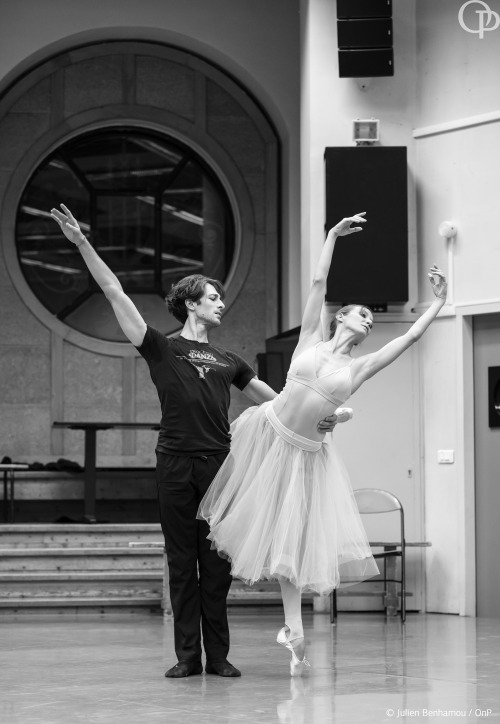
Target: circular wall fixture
153, 210
170, 166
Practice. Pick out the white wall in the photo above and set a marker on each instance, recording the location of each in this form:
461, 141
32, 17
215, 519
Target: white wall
457, 71
442, 74
442, 486
378, 448
458, 173
329, 104
459, 169
257, 42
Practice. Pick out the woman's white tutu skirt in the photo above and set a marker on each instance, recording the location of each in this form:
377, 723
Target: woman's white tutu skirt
277, 510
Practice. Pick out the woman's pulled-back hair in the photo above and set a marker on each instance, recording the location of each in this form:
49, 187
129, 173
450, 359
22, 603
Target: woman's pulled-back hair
193, 288
345, 310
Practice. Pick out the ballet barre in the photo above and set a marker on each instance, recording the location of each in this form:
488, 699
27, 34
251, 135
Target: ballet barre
90, 429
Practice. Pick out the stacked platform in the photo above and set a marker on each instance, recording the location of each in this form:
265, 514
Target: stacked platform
81, 566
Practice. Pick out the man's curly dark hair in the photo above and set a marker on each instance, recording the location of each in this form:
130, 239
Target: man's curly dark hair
193, 288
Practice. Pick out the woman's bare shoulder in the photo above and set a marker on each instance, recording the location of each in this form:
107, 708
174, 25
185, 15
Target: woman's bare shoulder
305, 343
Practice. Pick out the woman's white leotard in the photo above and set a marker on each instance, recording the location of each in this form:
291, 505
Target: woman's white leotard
281, 505
308, 397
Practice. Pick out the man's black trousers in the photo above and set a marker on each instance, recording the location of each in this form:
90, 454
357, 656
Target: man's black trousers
199, 578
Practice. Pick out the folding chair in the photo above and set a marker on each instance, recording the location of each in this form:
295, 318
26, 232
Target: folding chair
371, 501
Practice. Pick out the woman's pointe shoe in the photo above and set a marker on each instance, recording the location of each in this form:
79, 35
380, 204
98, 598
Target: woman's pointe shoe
296, 665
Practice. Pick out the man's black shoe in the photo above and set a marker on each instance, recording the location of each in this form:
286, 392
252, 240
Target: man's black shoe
184, 668
221, 668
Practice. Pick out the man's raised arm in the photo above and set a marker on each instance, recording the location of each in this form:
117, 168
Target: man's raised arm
127, 314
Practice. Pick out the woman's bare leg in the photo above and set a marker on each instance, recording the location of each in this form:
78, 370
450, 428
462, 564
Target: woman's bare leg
292, 600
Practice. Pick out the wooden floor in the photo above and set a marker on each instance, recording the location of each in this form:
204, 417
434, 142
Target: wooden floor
64, 669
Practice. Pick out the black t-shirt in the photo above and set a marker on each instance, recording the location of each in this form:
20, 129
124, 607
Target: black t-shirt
193, 381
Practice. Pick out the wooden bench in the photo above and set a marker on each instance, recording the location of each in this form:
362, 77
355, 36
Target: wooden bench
90, 429
22, 474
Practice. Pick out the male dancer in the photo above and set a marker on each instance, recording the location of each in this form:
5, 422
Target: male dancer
193, 380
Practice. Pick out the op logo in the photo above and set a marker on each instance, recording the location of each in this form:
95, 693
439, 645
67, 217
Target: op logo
488, 19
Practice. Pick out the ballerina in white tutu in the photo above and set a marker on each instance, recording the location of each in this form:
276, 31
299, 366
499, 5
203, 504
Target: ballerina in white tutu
281, 506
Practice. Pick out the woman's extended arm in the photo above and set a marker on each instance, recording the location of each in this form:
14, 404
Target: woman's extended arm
127, 314
311, 319
365, 367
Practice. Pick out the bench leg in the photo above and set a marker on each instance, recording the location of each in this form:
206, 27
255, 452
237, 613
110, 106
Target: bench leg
90, 475
333, 607
12, 497
5, 498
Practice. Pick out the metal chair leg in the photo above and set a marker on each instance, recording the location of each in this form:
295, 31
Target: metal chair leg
333, 607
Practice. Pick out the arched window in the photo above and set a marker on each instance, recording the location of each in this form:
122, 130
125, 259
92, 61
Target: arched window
151, 207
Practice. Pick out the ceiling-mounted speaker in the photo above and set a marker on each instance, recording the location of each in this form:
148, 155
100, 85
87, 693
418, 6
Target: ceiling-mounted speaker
364, 38
348, 9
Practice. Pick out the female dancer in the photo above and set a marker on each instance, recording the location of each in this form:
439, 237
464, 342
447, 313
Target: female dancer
281, 506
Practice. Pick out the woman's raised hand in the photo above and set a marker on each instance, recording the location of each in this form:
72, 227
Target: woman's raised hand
69, 225
438, 282
343, 228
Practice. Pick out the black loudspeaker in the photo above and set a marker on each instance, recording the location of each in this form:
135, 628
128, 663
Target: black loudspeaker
376, 62
373, 33
347, 9
369, 267
364, 33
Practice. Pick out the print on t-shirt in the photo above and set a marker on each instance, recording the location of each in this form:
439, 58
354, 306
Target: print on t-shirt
197, 358
194, 416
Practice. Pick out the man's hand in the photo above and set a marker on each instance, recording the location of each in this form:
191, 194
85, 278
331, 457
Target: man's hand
69, 225
341, 414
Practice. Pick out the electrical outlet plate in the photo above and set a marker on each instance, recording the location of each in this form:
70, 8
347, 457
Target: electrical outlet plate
446, 457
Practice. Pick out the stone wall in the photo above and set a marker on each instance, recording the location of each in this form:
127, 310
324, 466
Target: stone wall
50, 372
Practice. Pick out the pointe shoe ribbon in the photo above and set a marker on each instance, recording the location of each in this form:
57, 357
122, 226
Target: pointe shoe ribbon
296, 665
